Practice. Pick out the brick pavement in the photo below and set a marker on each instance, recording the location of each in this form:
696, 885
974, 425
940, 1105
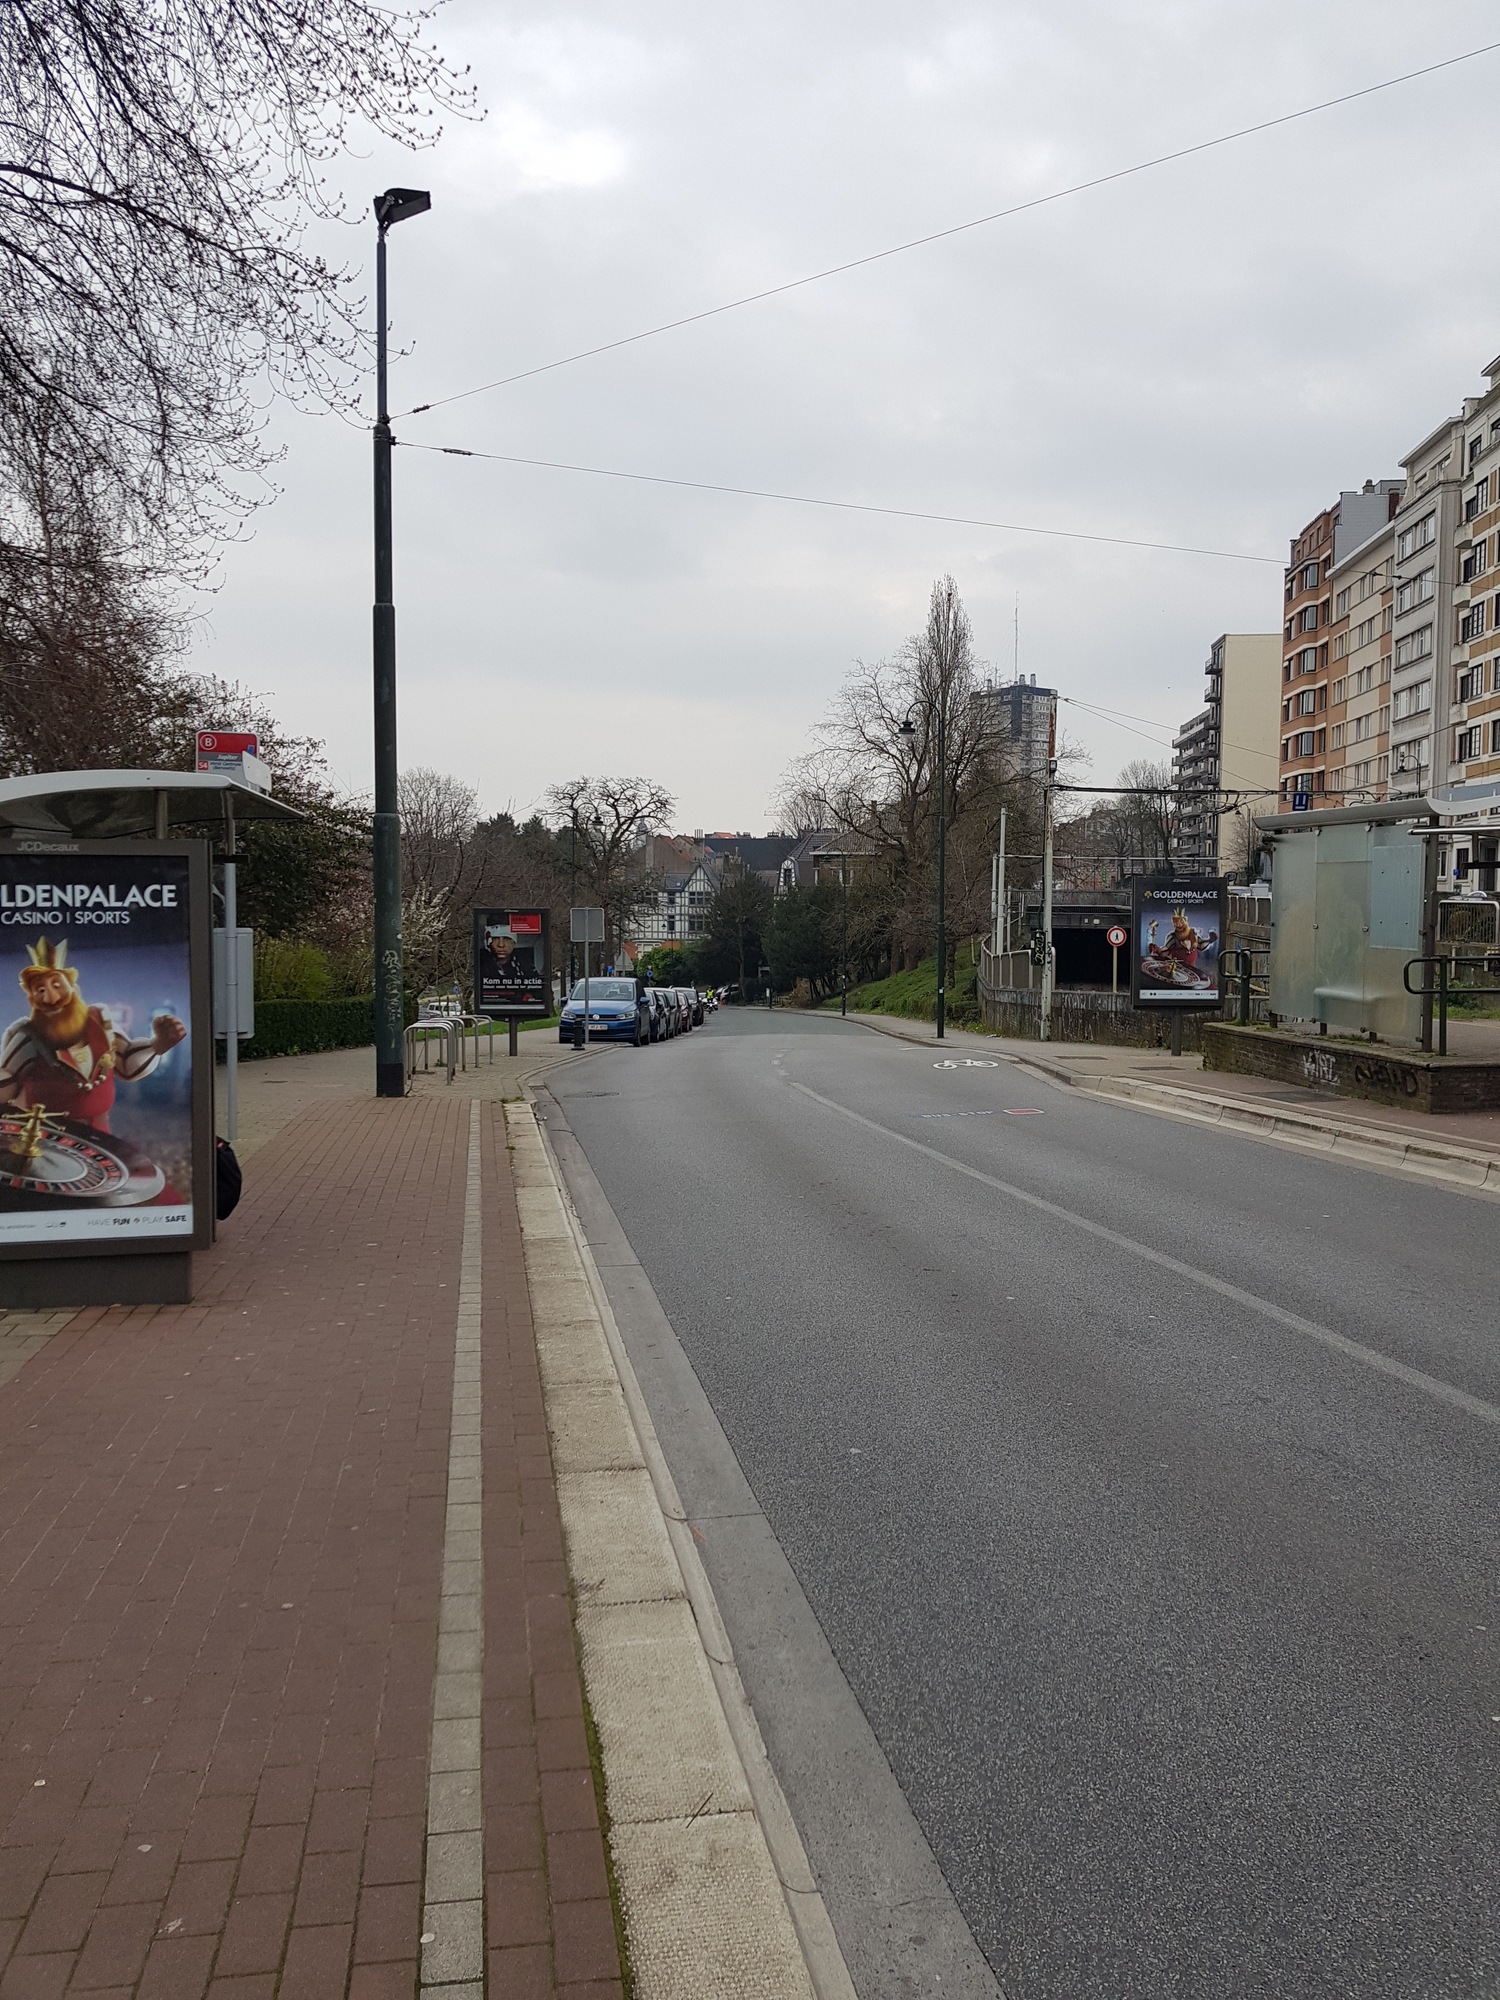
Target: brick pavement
220, 1554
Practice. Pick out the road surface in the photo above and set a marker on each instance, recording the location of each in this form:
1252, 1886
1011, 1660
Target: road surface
1125, 1500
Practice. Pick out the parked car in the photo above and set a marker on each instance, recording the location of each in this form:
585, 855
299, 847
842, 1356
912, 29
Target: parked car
663, 1013
684, 1007
619, 1011
695, 1000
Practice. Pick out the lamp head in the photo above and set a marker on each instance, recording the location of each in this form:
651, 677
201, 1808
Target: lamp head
396, 204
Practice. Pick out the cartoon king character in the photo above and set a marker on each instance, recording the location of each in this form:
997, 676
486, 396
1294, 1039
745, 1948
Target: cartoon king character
64, 1055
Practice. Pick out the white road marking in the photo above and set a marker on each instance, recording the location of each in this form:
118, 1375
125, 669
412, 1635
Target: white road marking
1353, 1350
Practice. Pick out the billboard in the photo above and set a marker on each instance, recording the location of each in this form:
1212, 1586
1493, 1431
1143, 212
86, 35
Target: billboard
106, 1109
1177, 933
510, 962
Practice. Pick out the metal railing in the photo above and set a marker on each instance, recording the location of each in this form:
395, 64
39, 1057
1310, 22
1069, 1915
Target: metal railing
1446, 965
1237, 968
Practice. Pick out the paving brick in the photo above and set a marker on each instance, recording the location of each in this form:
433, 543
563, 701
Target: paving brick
395, 1980
254, 1935
518, 1909
584, 1944
317, 1962
117, 1944
174, 1479
575, 1865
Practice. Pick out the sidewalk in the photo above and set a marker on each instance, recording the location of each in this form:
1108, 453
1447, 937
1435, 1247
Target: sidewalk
1146, 1072
266, 1564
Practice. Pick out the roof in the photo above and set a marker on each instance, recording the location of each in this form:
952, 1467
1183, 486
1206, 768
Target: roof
113, 805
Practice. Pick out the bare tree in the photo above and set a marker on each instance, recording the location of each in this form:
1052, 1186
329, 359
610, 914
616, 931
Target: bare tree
158, 167
609, 819
441, 867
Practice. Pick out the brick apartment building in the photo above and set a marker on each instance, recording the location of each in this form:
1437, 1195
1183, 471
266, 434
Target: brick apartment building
1334, 559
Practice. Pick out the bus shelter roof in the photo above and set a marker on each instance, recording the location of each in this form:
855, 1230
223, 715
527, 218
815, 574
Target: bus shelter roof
116, 805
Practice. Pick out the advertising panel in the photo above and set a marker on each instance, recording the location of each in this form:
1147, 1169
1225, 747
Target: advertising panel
510, 962
226, 750
103, 1119
1178, 932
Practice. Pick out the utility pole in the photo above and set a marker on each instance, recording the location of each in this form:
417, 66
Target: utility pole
844, 936
942, 858
394, 206
1046, 1010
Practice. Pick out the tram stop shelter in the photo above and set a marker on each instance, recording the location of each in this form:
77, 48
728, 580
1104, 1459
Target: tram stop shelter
107, 1162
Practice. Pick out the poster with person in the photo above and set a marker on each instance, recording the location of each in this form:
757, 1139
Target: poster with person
510, 962
1178, 933
97, 1048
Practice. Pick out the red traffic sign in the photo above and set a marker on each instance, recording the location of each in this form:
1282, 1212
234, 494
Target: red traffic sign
1116, 935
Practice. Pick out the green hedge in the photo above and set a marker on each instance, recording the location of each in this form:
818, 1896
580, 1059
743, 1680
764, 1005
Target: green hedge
302, 1027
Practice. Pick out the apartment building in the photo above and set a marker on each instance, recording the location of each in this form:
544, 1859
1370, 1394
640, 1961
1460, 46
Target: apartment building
1228, 748
1359, 696
1473, 747
1308, 611
1426, 537
1322, 594
1021, 715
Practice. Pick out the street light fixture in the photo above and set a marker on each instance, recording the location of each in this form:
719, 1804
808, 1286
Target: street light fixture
394, 206
909, 730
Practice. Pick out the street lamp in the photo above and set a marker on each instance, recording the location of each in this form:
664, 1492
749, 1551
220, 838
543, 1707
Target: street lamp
908, 730
394, 206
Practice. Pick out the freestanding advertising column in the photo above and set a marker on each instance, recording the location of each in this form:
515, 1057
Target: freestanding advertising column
1174, 959
106, 1071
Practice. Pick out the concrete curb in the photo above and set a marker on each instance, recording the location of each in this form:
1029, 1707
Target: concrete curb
1433, 1160
717, 1893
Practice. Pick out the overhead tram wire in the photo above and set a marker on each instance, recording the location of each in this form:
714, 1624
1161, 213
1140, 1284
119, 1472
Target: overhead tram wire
843, 506
961, 228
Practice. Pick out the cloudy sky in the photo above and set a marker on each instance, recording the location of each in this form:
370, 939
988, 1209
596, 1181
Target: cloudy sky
1204, 354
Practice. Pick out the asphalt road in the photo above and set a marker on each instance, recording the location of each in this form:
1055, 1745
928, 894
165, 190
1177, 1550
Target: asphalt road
1141, 1479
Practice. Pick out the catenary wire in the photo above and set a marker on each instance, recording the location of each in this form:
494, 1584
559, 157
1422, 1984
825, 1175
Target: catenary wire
960, 228
845, 506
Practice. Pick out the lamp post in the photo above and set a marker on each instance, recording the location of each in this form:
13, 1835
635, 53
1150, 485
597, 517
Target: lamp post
394, 206
909, 730
844, 935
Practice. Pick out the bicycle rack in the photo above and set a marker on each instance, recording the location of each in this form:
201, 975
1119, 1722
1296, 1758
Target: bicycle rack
1446, 964
420, 1035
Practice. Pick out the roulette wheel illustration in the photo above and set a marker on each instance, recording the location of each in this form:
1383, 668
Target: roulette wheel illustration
47, 1161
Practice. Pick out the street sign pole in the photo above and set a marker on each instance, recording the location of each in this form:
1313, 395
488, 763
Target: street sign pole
1117, 936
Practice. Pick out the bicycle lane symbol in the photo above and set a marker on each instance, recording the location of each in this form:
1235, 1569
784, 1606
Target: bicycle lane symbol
966, 1062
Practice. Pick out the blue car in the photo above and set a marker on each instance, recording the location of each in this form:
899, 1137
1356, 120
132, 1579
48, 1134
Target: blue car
618, 1012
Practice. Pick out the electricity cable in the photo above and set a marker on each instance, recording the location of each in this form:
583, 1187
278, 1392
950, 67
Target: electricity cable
845, 506
961, 228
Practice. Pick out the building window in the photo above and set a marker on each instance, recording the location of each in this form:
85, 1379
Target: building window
1470, 684
1307, 701
1305, 743
1467, 745
1418, 536
1412, 700
1471, 624
1307, 660
1307, 618
1414, 646
1411, 756
1339, 688
1336, 737
1341, 604
1310, 577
